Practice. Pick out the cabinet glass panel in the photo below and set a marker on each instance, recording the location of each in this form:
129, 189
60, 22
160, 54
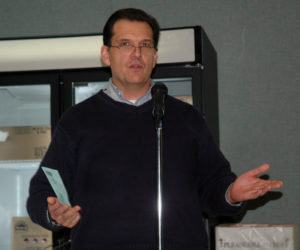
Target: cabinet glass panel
84, 90
180, 88
24, 137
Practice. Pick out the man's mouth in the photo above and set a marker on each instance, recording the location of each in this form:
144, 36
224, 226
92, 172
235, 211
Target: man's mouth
136, 66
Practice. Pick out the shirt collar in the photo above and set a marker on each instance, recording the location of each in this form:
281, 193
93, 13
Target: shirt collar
116, 94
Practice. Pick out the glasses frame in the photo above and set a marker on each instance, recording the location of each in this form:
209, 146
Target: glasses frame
132, 48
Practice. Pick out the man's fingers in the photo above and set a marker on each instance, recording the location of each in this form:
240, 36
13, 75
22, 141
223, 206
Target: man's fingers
249, 186
51, 200
66, 215
259, 170
275, 184
270, 184
77, 208
72, 221
53, 204
60, 211
265, 186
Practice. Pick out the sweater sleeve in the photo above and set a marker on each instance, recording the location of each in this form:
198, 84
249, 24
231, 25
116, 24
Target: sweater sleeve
214, 174
58, 156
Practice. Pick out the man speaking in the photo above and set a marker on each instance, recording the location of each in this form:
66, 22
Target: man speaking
105, 150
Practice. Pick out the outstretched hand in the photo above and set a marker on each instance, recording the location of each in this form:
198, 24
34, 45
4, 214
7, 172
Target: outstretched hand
64, 215
249, 186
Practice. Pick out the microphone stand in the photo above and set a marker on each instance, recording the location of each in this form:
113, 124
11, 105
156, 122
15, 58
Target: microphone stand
159, 93
159, 186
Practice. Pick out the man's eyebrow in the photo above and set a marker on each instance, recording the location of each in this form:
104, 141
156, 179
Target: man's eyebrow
147, 40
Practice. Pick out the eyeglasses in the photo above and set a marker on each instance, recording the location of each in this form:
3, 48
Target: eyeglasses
129, 48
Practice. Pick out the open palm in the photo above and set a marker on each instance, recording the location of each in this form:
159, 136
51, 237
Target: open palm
249, 186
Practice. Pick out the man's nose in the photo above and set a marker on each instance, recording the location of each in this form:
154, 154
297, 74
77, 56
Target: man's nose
137, 51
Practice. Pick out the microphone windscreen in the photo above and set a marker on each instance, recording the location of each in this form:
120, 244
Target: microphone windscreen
159, 87
159, 93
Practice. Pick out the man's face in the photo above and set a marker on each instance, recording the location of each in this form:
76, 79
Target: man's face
133, 68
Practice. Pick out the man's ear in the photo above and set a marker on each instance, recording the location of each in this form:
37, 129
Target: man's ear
105, 55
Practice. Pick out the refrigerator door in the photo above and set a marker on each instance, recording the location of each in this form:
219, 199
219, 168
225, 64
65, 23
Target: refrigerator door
83, 90
25, 133
179, 87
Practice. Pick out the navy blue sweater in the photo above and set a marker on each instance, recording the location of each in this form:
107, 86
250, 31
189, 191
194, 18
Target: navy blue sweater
105, 152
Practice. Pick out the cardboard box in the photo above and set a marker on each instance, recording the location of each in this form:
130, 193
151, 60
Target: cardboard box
24, 143
257, 237
27, 235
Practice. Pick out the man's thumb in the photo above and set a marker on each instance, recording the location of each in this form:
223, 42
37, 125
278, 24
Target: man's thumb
51, 200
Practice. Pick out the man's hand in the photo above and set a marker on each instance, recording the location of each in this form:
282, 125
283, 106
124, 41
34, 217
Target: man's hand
249, 186
63, 214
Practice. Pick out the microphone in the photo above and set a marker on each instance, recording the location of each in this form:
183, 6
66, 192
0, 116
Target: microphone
159, 93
